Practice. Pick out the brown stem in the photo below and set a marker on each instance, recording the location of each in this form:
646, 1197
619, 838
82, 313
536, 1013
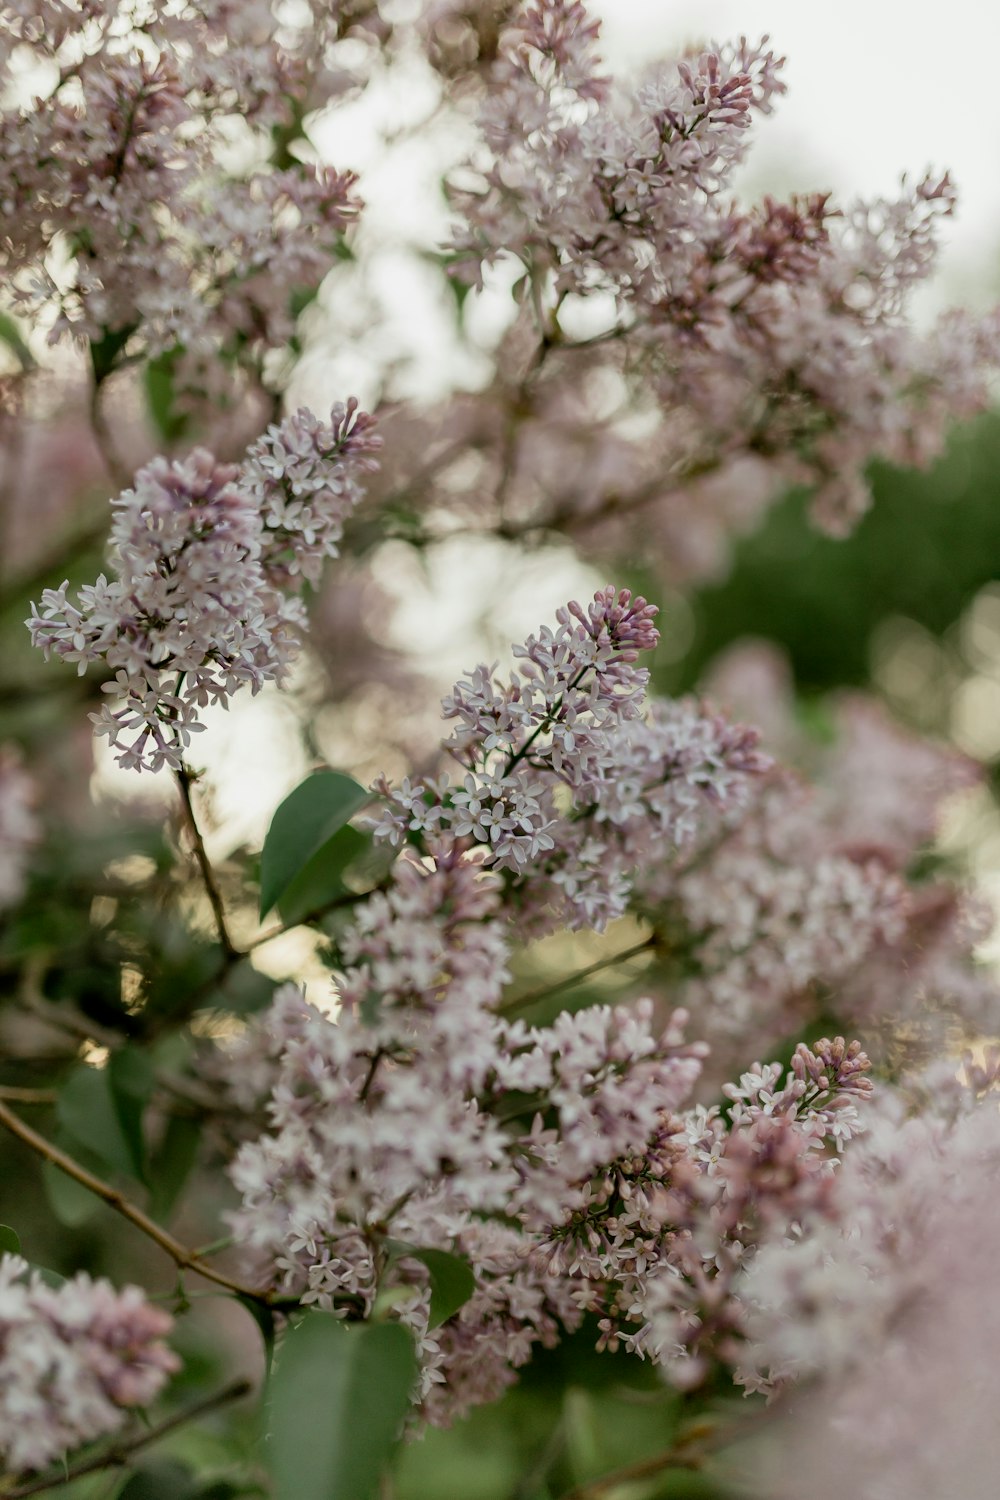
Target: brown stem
645, 1468
121, 1453
183, 1257
15, 1095
185, 780
523, 1002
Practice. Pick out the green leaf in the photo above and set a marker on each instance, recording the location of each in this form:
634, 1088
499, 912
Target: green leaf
305, 822
322, 879
10, 335
264, 1318
452, 1281
159, 378
165, 1480
10, 1243
171, 1165
338, 1399
130, 1082
71, 1203
88, 1116
104, 351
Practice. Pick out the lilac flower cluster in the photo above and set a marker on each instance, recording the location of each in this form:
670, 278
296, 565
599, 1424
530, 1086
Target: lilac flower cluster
567, 725
387, 1133
118, 164
305, 477
750, 347
73, 1360
206, 556
807, 897
887, 1294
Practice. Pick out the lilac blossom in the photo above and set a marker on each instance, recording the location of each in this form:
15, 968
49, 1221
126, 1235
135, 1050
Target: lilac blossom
763, 345
888, 1296
118, 164
73, 1360
568, 724
204, 554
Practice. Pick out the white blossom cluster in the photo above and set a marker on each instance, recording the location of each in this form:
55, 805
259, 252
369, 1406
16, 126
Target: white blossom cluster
207, 555
74, 1359
567, 725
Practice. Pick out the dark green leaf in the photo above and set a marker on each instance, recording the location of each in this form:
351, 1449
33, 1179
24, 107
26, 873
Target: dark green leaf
165, 1480
87, 1114
338, 1399
264, 1318
104, 351
172, 1163
452, 1281
161, 396
10, 1242
130, 1081
322, 880
308, 819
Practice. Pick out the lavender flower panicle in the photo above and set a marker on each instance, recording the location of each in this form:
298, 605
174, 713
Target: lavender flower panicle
206, 555
73, 1360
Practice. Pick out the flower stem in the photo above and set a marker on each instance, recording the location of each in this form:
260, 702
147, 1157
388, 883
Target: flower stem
182, 1256
121, 1453
185, 780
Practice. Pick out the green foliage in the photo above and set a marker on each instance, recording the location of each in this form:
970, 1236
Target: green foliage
303, 859
161, 396
338, 1399
929, 543
90, 1111
10, 1243
452, 1280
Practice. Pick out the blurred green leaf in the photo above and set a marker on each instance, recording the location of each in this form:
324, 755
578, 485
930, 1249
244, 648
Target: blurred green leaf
338, 1399
71, 1203
161, 395
10, 1242
307, 820
164, 1480
172, 1163
452, 1280
322, 880
88, 1116
10, 335
104, 351
130, 1081
263, 1316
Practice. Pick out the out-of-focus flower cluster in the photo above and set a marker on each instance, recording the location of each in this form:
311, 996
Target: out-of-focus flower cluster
73, 1360
681, 358
207, 557
883, 1307
119, 221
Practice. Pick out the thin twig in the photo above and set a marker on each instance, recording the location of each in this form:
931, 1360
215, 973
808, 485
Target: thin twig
523, 1002
119, 1455
644, 1468
183, 1257
15, 1095
185, 780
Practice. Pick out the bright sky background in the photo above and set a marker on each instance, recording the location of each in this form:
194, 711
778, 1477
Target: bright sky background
875, 87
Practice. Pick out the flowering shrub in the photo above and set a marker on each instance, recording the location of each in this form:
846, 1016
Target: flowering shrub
529, 1106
